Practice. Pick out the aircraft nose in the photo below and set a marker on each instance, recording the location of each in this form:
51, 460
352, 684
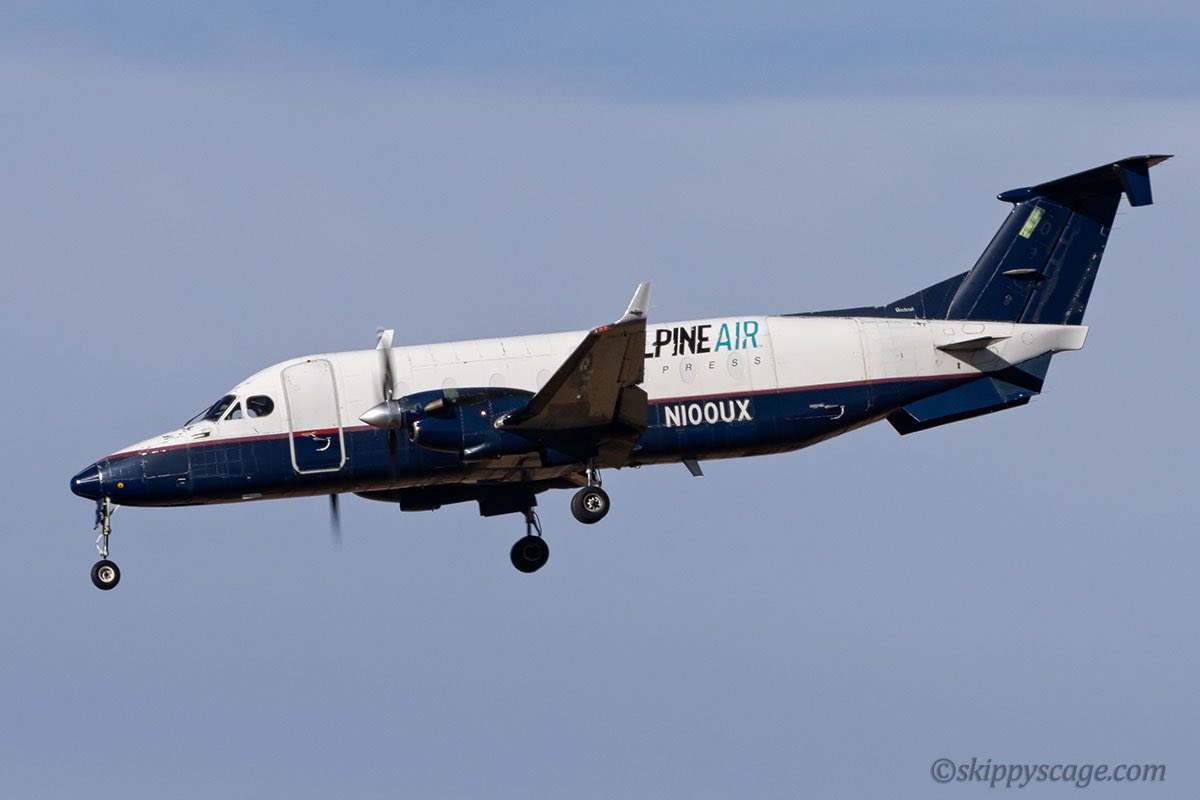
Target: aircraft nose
87, 483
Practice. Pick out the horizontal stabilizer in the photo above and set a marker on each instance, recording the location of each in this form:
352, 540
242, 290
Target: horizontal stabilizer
1008, 388
1129, 176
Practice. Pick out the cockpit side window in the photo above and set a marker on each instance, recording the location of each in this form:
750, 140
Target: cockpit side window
236, 413
259, 406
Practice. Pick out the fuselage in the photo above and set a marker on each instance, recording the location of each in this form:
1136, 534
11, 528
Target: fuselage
717, 388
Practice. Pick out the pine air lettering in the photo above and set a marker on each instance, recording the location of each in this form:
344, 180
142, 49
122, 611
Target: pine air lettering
682, 415
694, 339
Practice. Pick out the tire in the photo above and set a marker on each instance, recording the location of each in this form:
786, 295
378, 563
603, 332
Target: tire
530, 553
590, 505
105, 574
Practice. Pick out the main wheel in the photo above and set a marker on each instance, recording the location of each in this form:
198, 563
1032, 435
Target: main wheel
530, 553
590, 504
105, 574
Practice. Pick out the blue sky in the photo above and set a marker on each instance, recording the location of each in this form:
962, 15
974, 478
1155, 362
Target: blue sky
660, 50
190, 196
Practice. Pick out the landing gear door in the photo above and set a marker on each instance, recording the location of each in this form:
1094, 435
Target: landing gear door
317, 442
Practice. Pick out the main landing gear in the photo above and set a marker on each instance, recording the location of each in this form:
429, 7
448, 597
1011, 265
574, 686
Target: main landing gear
589, 505
105, 574
531, 552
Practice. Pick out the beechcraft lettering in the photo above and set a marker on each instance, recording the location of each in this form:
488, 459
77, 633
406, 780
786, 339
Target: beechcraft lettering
681, 415
694, 339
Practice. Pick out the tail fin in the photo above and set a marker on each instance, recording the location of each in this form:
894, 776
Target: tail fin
1041, 264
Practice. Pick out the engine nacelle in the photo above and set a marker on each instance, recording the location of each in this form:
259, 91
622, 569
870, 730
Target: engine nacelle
442, 434
461, 421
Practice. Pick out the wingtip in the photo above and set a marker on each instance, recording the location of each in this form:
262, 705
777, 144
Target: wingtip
639, 306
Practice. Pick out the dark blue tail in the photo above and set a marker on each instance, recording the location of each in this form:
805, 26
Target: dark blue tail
1042, 263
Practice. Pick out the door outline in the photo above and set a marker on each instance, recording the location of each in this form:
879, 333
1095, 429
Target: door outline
318, 433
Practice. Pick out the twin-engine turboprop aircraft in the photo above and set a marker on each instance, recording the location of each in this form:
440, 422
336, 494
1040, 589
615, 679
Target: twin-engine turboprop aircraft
498, 421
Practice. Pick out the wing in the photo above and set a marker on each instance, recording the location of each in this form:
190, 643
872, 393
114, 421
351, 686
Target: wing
597, 386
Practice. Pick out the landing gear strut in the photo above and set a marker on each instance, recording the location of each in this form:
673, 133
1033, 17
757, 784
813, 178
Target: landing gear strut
531, 552
105, 573
590, 504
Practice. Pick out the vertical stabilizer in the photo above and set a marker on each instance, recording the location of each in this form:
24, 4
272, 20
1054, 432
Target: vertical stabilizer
1041, 264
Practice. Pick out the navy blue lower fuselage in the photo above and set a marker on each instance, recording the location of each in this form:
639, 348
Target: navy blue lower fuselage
736, 424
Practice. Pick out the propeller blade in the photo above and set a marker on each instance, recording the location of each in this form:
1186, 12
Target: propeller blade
389, 384
335, 520
384, 346
385, 353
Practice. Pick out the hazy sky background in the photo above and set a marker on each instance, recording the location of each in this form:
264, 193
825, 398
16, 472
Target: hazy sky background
187, 196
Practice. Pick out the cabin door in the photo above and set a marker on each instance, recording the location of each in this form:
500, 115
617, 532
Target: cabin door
317, 442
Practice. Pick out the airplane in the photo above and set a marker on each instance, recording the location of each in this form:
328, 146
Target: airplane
500, 421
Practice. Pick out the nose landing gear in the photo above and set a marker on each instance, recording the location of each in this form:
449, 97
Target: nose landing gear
531, 552
105, 574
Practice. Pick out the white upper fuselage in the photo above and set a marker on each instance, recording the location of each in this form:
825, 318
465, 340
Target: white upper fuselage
686, 360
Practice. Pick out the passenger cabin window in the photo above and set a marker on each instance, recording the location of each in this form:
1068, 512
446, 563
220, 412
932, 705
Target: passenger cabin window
259, 406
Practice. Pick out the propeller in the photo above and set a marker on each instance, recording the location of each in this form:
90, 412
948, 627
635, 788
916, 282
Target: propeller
384, 346
335, 521
387, 389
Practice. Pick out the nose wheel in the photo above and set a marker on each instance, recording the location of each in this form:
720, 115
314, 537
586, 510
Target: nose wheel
531, 552
105, 573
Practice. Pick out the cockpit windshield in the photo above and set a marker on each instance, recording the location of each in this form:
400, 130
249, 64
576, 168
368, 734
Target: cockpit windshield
213, 412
